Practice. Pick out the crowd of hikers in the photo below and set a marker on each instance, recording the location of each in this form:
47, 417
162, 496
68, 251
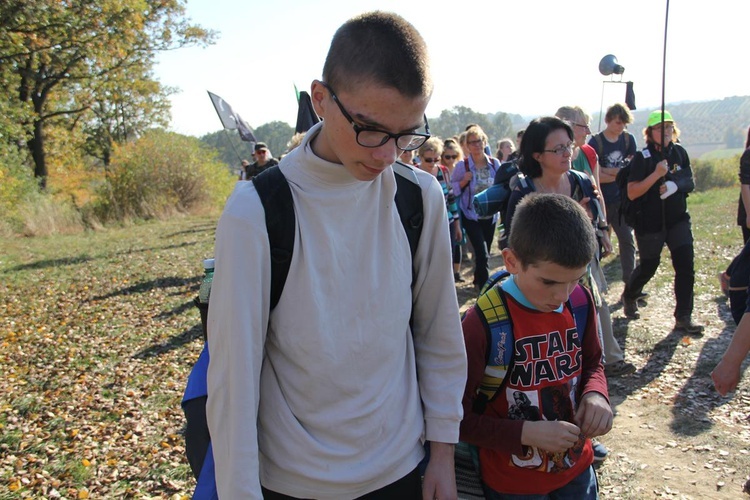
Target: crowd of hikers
339, 364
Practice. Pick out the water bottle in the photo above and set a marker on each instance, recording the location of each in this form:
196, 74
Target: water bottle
208, 278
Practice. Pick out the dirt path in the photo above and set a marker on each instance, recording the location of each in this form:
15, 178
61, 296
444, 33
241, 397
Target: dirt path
673, 435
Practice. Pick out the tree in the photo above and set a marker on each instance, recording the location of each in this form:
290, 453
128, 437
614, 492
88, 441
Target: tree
276, 134
59, 50
123, 108
230, 148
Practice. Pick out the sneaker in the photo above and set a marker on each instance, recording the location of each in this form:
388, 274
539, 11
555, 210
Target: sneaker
619, 368
685, 323
641, 300
457, 277
600, 452
630, 307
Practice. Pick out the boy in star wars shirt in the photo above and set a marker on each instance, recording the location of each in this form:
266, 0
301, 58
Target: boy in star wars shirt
534, 438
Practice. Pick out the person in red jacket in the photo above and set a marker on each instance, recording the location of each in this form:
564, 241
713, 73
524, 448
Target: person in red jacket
535, 437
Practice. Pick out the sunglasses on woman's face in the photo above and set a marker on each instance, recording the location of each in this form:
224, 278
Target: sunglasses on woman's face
450, 157
430, 160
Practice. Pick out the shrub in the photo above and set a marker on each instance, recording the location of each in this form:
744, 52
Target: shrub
716, 173
161, 174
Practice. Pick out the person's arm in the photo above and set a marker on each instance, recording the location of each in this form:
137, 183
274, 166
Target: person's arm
682, 178
745, 183
440, 475
485, 431
726, 375
594, 414
237, 331
637, 188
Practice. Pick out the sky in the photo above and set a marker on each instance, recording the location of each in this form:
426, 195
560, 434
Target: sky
527, 56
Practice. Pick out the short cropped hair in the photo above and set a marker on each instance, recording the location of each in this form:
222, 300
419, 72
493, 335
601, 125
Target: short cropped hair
432, 144
573, 115
621, 111
552, 228
534, 141
379, 47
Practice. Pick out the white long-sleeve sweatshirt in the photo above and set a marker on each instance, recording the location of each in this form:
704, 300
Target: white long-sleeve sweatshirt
341, 398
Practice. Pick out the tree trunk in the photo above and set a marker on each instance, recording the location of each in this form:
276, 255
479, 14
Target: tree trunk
36, 146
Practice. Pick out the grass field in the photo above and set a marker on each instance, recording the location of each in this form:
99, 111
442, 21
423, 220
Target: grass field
99, 333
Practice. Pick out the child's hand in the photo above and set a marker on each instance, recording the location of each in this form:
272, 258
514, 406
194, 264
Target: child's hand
594, 415
552, 436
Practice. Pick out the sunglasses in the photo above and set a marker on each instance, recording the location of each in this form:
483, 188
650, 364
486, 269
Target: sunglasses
450, 157
430, 160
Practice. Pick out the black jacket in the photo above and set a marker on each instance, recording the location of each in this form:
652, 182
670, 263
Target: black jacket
660, 214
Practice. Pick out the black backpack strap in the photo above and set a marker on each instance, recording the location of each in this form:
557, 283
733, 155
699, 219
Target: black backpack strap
276, 197
409, 205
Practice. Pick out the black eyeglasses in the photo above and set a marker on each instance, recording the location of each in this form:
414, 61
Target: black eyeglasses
373, 138
430, 160
561, 150
583, 125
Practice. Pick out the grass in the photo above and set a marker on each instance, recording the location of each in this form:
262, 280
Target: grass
98, 336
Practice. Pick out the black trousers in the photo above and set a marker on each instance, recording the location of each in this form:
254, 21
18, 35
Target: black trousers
480, 233
679, 240
407, 488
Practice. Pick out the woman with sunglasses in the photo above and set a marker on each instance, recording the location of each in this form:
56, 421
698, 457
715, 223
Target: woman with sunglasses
429, 155
473, 175
452, 154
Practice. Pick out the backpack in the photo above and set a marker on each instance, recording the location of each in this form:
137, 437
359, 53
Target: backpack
582, 182
493, 311
495, 198
278, 205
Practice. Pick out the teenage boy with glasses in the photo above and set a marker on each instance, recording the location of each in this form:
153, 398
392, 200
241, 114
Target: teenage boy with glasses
331, 394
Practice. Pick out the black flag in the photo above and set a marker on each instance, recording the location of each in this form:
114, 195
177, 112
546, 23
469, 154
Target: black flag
231, 120
306, 115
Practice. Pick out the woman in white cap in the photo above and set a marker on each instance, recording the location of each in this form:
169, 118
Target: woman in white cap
658, 186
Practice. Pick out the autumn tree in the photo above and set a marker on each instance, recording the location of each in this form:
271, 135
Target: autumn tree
62, 56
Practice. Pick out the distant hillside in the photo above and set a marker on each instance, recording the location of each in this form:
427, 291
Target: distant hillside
704, 126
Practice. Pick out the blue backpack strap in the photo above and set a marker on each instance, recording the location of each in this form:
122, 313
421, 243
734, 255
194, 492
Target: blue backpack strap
579, 304
587, 187
493, 312
205, 489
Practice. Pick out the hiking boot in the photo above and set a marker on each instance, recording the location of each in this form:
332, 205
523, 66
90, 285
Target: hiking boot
641, 300
685, 323
630, 307
619, 368
600, 452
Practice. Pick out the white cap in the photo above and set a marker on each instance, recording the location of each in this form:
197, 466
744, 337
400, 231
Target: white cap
209, 263
671, 189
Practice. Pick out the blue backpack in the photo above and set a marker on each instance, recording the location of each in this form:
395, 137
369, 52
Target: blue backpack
493, 311
276, 197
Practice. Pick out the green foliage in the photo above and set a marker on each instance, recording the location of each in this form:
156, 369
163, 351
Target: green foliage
160, 174
62, 58
229, 146
715, 172
452, 122
16, 185
276, 134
